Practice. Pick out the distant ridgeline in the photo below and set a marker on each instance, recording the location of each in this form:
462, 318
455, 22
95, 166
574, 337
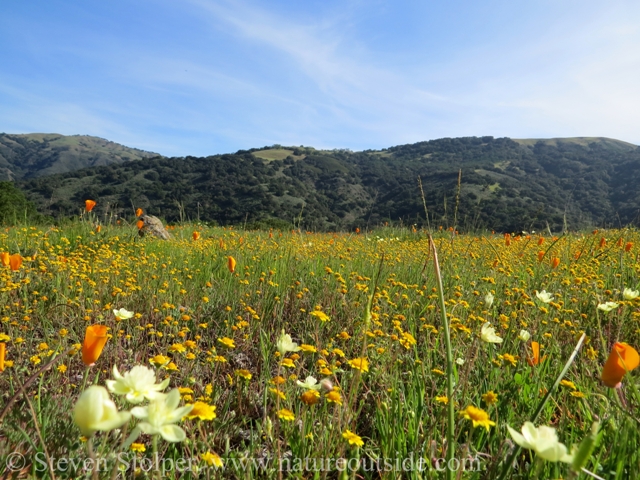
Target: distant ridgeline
506, 185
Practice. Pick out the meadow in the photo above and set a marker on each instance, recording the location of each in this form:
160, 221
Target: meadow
317, 355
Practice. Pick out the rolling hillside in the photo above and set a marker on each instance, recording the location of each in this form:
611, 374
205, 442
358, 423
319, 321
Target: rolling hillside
40, 154
506, 185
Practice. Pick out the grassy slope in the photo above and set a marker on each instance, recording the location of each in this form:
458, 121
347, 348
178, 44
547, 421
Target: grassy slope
41, 154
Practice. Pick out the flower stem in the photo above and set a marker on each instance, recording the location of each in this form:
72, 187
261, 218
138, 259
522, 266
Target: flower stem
451, 419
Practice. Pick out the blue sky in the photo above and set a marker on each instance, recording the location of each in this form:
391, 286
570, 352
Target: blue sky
201, 77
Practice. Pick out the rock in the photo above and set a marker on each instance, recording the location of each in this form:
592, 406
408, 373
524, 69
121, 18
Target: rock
153, 226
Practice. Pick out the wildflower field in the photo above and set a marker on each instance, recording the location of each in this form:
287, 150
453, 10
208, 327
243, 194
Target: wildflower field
224, 353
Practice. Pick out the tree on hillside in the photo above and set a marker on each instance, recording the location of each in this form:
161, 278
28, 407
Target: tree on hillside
14, 206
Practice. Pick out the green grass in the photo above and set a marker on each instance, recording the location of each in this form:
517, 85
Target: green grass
380, 293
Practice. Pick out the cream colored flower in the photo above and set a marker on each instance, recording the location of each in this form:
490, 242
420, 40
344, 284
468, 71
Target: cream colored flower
285, 344
524, 335
137, 384
607, 307
543, 440
310, 383
488, 334
488, 300
544, 296
123, 314
629, 294
95, 411
159, 416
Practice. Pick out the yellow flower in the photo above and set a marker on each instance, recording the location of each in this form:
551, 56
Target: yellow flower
334, 397
508, 358
212, 459
442, 399
437, 371
352, 438
159, 360
244, 374
320, 315
477, 416
310, 397
568, 384
287, 415
577, 394
343, 335
177, 347
278, 392
138, 447
308, 348
203, 411
361, 364
227, 342
62, 368
287, 362
490, 397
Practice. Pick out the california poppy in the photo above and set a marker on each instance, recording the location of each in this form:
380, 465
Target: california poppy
139, 224
2, 350
4, 258
540, 240
622, 359
231, 263
628, 246
555, 261
535, 358
94, 341
15, 261
98, 228
540, 255
139, 212
196, 235
89, 204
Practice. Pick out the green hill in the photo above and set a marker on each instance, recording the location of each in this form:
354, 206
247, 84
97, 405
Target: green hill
506, 184
40, 154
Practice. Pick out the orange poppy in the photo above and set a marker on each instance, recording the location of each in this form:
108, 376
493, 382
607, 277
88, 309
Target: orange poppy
535, 355
2, 350
89, 204
555, 261
622, 359
540, 255
98, 228
603, 242
94, 341
231, 263
540, 240
139, 212
4, 258
139, 224
15, 261
628, 246
196, 235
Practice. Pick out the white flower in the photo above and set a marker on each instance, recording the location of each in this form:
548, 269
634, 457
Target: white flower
310, 384
160, 415
460, 361
95, 411
629, 294
607, 307
542, 440
123, 314
524, 335
544, 297
488, 300
285, 344
137, 384
488, 334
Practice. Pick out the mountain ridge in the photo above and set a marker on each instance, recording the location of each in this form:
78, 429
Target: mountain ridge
40, 154
505, 185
